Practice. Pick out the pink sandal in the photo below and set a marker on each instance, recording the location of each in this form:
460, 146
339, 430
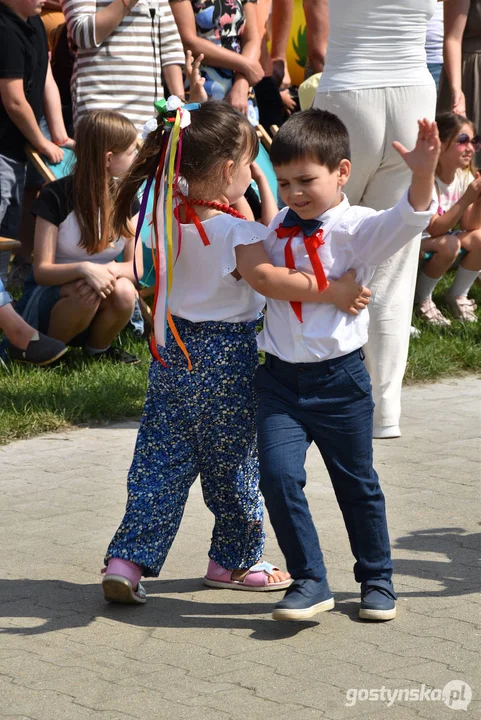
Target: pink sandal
121, 582
256, 580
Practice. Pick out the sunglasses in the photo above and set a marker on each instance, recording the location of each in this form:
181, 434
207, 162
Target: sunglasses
464, 139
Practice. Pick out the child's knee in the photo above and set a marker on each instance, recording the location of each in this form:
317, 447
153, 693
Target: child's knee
475, 240
452, 246
123, 296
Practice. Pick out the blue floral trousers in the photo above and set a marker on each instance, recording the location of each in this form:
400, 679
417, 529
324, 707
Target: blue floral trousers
197, 422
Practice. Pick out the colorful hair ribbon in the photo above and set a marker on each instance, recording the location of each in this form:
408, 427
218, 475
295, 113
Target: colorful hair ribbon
175, 116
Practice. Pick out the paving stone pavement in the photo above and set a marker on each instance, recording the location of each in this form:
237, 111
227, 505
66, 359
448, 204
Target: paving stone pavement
202, 654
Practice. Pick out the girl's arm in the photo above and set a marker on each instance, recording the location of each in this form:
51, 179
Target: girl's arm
455, 17
471, 219
213, 54
280, 283
466, 210
126, 267
48, 272
269, 207
441, 224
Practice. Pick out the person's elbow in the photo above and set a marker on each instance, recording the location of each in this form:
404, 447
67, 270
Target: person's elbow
190, 41
260, 279
41, 273
13, 103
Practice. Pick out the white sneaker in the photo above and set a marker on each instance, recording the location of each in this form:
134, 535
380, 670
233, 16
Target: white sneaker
415, 332
386, 432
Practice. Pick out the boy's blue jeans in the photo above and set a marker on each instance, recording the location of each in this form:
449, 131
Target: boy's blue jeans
328, 403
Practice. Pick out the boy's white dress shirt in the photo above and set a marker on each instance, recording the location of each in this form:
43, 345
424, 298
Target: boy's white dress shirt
354, 237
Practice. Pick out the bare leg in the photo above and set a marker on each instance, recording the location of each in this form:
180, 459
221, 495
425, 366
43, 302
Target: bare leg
471, 242
71, 315
15, 328
445, 250
113, 315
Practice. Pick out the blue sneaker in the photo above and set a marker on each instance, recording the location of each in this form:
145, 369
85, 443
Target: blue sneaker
378, 600
303, 599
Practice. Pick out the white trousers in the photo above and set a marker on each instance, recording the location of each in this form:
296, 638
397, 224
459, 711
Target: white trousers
375, 118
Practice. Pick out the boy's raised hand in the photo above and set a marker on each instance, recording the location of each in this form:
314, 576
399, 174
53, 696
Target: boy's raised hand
424, 158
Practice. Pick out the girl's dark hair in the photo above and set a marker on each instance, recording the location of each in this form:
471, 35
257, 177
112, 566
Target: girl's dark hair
217, 133
313, 133
450, 124
93, 190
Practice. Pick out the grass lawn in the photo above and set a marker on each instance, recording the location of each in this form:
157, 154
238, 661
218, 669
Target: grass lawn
81, 391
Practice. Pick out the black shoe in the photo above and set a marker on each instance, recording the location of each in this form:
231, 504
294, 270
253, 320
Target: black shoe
378, 600
304, 599
43, 351
115, 354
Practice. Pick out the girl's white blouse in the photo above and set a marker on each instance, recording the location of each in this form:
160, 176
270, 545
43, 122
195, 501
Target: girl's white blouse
203, 287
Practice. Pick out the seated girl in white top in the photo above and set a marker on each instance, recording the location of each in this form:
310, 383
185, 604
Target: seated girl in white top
200, 418
81, 294
456, 225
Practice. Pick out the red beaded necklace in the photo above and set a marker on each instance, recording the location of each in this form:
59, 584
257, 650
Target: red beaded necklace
217, 206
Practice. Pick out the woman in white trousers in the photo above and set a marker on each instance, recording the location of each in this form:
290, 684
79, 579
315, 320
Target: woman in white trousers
376, 80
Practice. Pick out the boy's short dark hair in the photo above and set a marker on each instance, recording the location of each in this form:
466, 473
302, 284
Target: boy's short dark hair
313, 133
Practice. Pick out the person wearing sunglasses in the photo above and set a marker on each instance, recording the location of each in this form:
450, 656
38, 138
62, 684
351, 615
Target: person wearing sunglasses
456, 226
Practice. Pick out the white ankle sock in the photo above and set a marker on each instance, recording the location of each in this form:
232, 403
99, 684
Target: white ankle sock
462, 282
425, 286
35, 336
95, 351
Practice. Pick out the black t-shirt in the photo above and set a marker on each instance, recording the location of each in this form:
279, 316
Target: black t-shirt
55, 202
23, 54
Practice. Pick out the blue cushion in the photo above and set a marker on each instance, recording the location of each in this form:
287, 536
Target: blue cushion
65, 167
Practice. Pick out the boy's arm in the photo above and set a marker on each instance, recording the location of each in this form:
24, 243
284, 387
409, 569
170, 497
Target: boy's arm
281, 283
422, 161
381, 235
20, 112
53, 111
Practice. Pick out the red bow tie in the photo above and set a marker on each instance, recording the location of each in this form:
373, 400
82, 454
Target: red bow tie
312, 243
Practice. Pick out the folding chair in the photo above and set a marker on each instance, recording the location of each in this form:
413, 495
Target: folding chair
47, 170
9, 245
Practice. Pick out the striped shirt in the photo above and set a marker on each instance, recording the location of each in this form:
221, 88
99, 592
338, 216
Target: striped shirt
119, 74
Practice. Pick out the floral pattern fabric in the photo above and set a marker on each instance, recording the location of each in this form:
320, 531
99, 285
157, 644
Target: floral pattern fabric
197, 422
222, 22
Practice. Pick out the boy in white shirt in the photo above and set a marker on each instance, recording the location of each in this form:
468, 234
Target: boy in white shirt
313, 385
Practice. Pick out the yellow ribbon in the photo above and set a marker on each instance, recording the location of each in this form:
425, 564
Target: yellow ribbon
169, 205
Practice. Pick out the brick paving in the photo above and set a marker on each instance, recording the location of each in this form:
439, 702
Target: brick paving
203, 654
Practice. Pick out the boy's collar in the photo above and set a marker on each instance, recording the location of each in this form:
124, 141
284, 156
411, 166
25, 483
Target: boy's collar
328, 218
332, 212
